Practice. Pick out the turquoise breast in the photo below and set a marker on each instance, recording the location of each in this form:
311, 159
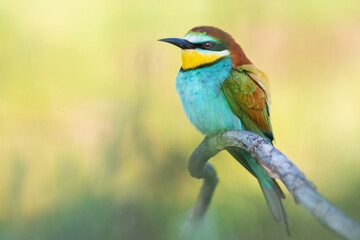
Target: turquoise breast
203, 99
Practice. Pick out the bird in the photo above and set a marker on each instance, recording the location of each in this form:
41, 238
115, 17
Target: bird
221, 89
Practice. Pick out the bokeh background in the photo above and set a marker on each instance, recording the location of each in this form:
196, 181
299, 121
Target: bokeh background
93, 139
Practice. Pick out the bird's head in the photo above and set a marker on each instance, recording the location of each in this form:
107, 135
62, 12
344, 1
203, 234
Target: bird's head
205, 45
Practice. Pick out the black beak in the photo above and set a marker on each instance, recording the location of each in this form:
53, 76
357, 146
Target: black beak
181, 43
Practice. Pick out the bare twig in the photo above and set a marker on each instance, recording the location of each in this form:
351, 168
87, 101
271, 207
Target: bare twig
200, 168
303, 191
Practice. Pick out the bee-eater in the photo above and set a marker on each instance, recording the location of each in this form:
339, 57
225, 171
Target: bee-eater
220, 90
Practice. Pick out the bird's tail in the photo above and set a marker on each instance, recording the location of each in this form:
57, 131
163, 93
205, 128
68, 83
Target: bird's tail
269, 186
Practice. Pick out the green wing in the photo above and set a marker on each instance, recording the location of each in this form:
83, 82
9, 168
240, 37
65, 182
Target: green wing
246, 90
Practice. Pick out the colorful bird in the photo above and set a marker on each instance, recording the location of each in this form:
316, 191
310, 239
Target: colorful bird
220, 90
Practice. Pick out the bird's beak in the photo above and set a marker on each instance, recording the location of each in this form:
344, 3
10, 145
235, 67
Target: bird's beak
181, 43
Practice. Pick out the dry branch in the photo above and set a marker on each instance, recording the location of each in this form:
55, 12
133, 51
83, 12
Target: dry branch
303, 191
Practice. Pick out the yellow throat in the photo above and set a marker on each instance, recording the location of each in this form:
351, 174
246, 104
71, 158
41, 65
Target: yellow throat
192, 58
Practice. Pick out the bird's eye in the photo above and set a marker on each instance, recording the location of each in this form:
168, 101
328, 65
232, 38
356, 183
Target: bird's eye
208, 45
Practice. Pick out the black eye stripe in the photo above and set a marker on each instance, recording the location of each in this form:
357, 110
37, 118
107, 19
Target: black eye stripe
214, 46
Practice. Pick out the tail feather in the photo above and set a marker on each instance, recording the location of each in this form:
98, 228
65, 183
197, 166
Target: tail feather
273, 200
269, 186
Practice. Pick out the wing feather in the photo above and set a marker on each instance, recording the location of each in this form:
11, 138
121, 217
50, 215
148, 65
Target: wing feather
247, 91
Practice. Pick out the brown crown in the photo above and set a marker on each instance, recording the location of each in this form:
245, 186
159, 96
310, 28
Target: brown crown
238, 56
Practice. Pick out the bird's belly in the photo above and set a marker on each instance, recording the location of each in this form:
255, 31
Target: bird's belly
209, 111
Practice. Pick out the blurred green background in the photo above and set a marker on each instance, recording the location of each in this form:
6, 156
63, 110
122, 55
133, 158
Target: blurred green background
93, 139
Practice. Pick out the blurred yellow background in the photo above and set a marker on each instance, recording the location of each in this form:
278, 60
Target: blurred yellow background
93, 139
